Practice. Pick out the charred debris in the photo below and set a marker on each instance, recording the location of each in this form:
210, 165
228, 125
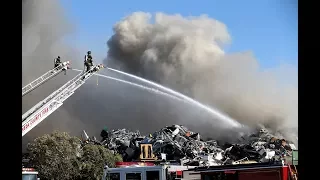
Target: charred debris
178, 144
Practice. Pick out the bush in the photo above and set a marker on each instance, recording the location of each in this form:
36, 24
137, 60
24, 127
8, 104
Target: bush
60, 156
94, 158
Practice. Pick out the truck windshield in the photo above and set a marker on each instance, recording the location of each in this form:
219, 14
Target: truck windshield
29, 177
133, 176
113, 176
153, 175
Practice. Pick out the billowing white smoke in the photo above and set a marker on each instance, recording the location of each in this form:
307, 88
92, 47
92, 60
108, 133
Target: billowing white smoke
187, 54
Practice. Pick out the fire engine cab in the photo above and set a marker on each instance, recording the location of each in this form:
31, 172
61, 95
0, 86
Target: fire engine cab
144, 171
29, 174
147, 172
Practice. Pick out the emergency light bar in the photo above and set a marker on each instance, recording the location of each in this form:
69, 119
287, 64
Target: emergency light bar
28, 169
128, 164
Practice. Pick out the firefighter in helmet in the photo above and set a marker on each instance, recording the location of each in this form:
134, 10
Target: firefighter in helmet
104, 134
57, 61
88, 61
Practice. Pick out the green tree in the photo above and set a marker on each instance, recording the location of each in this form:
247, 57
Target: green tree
56, 156
94, 158
59, 156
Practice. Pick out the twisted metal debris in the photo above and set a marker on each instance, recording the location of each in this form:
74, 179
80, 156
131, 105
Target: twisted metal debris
177, 143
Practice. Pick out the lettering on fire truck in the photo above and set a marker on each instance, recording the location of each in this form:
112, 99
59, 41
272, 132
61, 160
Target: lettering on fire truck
35, 118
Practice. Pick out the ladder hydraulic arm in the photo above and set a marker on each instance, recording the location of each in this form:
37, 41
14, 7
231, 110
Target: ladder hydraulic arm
44, 108
45, 77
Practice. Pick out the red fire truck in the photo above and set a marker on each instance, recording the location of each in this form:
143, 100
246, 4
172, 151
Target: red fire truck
256, 171
147, 171
144, 171
29, 174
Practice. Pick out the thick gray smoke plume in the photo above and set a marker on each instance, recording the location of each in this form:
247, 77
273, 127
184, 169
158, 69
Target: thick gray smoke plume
187, 54
114, 104
43, 28
92, 106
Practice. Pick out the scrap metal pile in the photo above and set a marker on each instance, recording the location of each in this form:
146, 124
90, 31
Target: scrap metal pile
177, 143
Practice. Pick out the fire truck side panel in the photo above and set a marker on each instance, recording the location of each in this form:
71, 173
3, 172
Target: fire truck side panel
285, 172
242, 172
191, 175
143, 173
272, 174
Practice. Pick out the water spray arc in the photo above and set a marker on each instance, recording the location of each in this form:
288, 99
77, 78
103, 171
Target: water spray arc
218, 114
173, 94
138, 85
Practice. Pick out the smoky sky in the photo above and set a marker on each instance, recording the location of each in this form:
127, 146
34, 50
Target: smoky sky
102, 102
93, 106
187, 54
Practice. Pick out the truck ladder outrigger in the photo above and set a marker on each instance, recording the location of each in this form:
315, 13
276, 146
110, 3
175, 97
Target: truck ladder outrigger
45, 77
44, 108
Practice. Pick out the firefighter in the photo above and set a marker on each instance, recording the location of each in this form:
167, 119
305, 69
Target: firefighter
104, 134
57, 61
88, 61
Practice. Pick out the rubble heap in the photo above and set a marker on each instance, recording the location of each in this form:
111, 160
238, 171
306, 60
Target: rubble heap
177, 143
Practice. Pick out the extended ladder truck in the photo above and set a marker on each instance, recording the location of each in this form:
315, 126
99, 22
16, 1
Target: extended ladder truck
45, 77
44, 108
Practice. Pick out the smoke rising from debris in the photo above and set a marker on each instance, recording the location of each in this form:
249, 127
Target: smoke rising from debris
187, 54
120, 106
92, 107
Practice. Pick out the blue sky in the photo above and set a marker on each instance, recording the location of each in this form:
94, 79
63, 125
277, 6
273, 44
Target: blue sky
269, 28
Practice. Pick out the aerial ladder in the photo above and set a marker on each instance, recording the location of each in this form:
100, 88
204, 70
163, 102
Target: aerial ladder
45, 77
44, 108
